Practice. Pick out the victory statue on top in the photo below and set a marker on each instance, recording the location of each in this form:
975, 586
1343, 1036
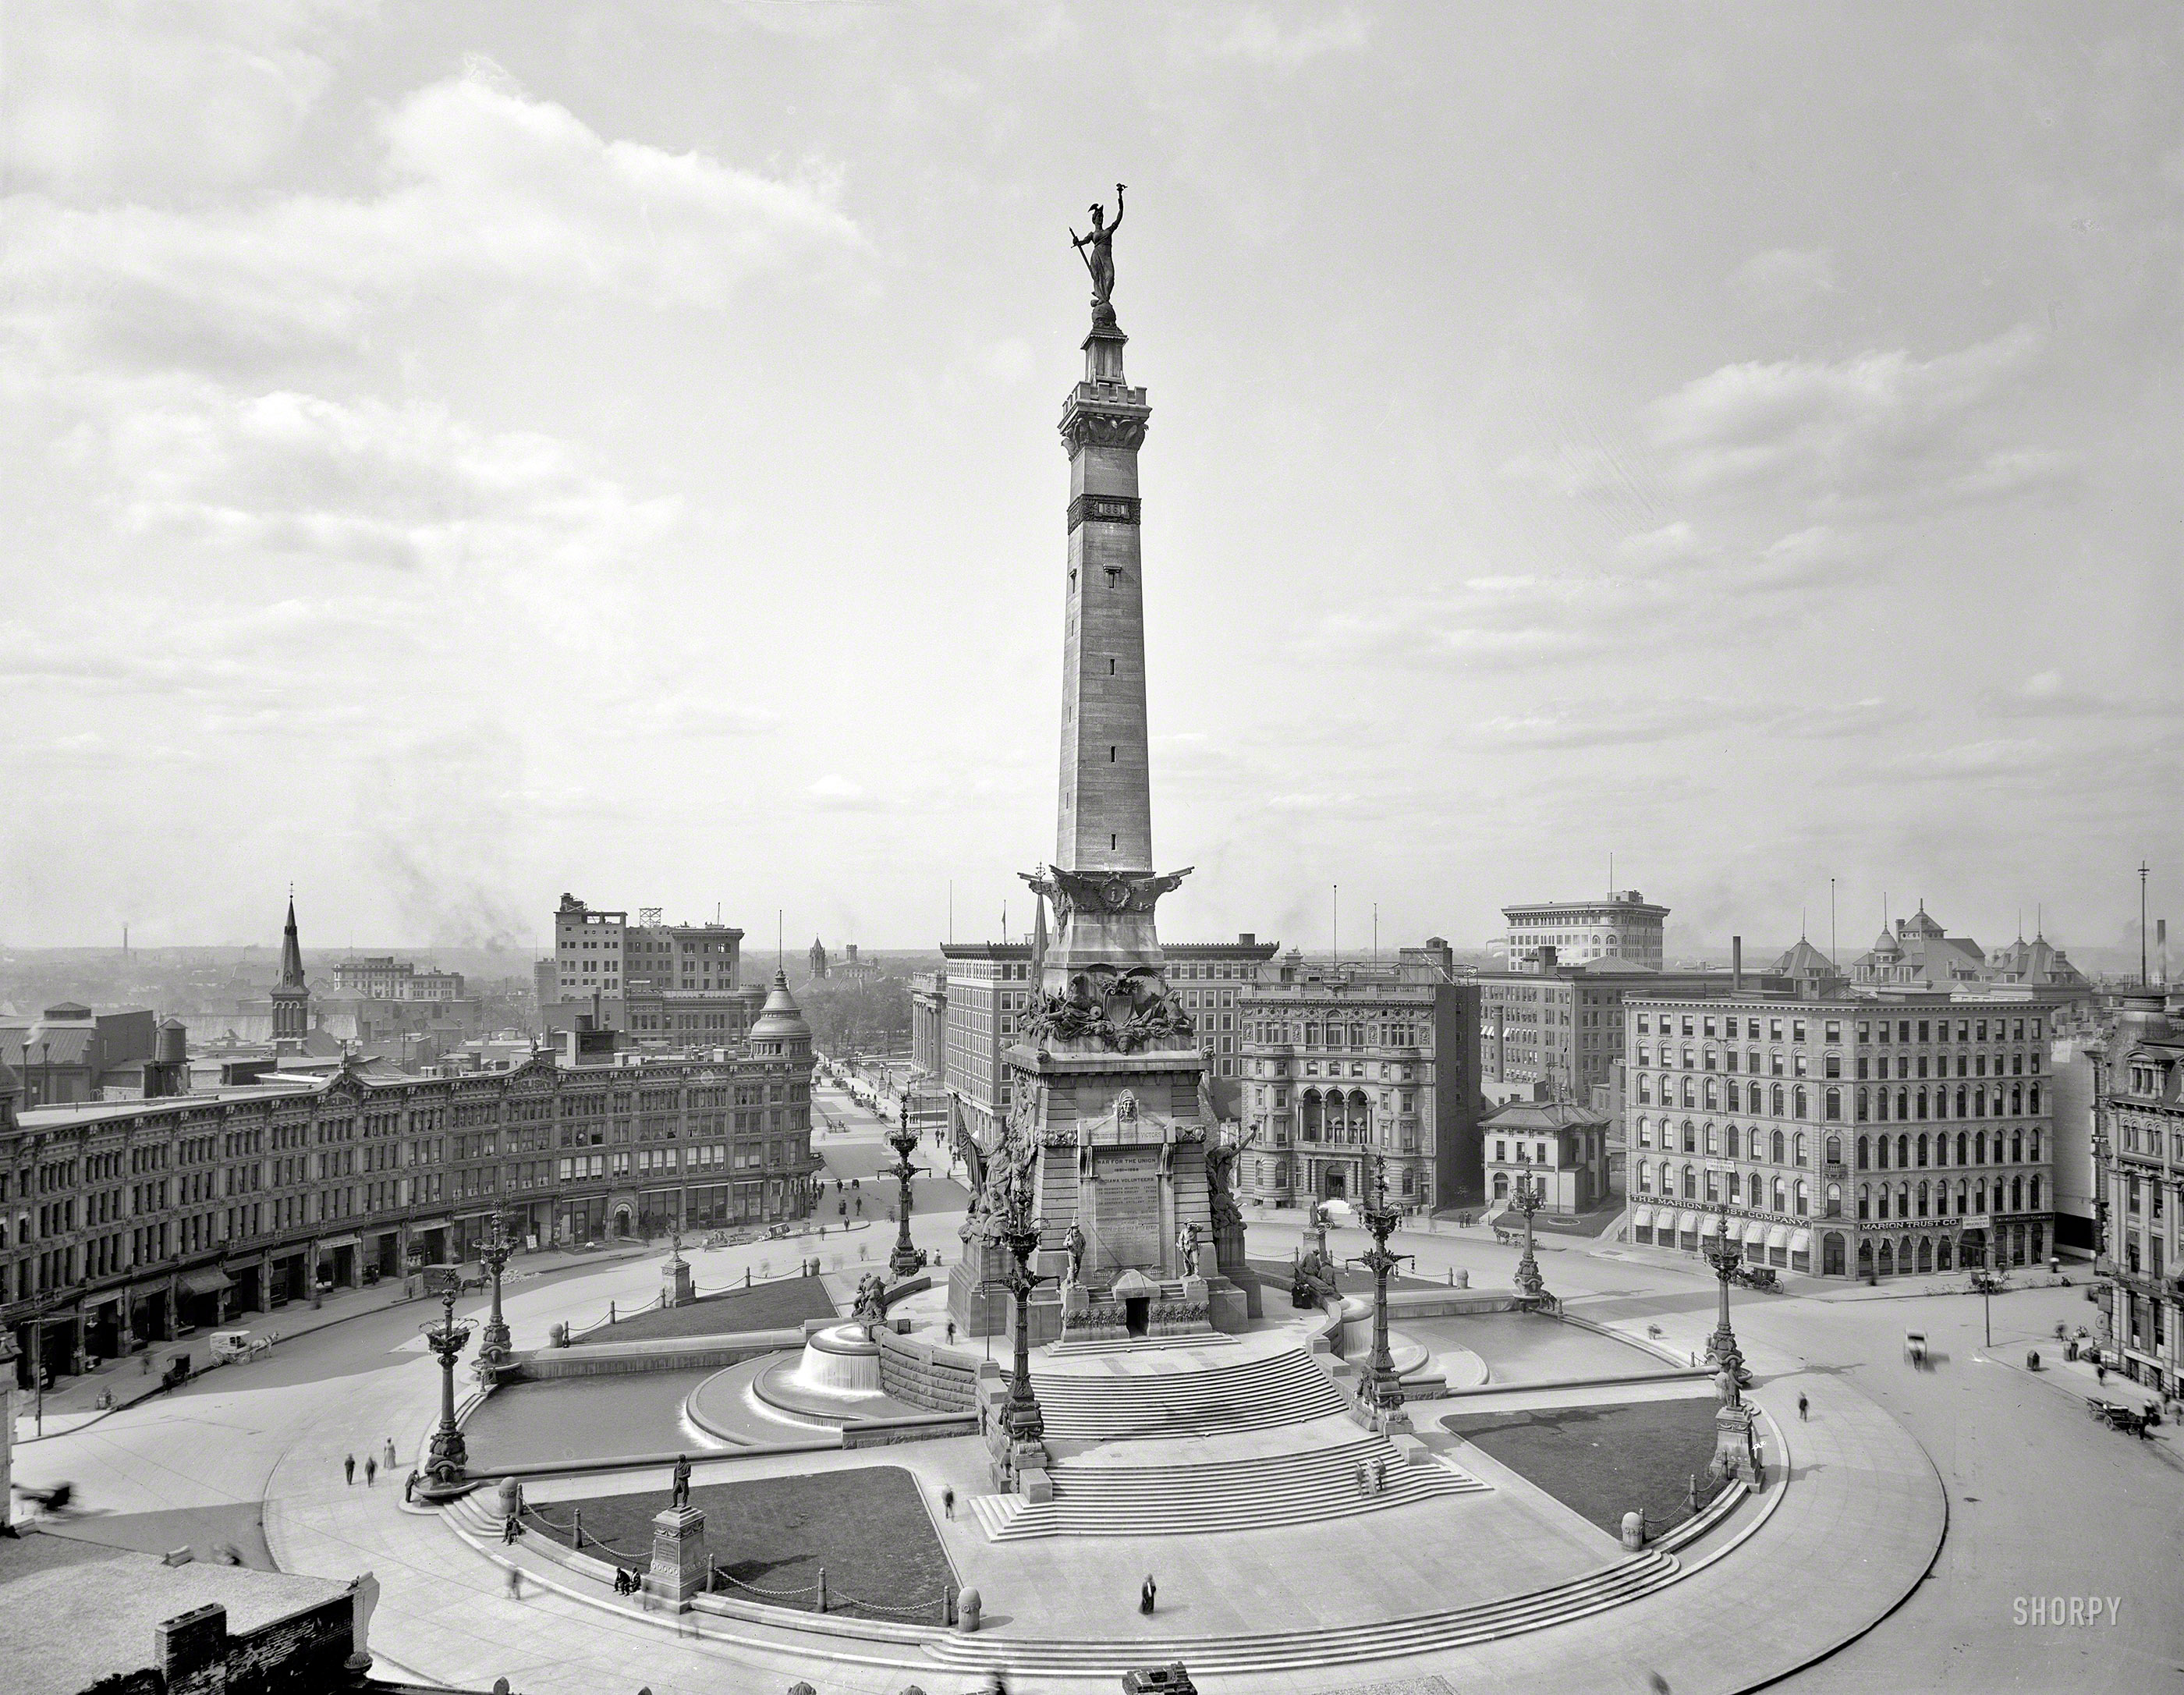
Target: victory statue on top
1097, 250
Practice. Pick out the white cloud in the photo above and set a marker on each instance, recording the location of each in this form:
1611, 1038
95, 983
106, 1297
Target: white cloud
164, 103
1783, 279
404, 485
489, 193
835, 793
1878, 426
1256, 36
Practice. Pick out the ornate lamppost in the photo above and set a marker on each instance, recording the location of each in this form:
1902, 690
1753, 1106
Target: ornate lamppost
1022, 1417
1383, 1389
493, 1339
905, 1260
447, 1457
1724, 1253
1526, 1198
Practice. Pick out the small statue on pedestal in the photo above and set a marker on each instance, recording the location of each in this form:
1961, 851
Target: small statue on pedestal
682, 1497
1074, 1241
1186, 1248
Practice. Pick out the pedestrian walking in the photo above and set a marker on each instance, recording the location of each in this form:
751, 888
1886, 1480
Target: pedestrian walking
514, 1583
948, 1503
2100, 1373
370, 1469
1147, 1595
348, 1468
386, 1459
1801, 1404
952, 1333
1364, 1479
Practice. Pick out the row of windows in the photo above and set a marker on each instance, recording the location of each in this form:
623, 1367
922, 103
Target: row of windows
1708, 1093
1867, 1030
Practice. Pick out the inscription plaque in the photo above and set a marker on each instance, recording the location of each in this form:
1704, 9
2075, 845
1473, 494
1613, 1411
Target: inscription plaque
1126, 1208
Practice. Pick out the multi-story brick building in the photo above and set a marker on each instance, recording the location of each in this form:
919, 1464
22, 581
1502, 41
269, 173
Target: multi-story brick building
121, 1220
1562, 1025
665, 983
1868, 1137
1625, 925
928, 1025
1344, 1063
382, 977
985, 991
2139, 1153
1207, 979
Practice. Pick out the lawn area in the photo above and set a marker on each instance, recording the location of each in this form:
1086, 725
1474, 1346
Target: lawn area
868, 1526
1604, 1461
778, 1306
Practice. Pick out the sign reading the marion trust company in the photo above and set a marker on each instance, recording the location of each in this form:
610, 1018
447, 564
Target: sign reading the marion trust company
1126, 1208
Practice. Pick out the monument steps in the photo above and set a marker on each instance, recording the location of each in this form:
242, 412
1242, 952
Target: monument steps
1613, 1585
1065, 1349
1284, 1389
1305, 1488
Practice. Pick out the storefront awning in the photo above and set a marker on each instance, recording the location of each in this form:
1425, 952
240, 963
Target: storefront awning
332, 1242
1802, 1242
1711, 1226
1641, 1217
1779, 1236
1665, 1221
209, 1281
1755, 1234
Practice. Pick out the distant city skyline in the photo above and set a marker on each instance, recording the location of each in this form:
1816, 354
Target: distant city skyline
454, 459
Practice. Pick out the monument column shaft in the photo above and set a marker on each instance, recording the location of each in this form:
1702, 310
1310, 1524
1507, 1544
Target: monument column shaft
1105, 813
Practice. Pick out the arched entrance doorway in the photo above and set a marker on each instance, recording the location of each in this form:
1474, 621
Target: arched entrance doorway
621, 1221
1831, 1255
1888, 1259
1335, 1182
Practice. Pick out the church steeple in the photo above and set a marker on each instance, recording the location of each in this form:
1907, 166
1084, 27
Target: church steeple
291, 995
292, 952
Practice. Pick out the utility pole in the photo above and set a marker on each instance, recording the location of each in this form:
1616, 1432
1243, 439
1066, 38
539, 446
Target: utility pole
1337, 937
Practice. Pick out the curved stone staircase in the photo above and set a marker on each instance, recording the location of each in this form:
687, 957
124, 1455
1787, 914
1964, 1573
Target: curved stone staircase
1259, 1394
1285, 1650
1203, 1497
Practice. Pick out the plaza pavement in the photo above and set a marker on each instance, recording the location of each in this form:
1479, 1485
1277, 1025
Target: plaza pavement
2046, 1502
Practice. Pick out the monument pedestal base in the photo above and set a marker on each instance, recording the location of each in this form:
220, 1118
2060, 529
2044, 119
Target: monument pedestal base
675, 1288
1736, 1454
680, 1566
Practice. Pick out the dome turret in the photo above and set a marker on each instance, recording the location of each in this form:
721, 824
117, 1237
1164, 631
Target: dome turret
780, 1027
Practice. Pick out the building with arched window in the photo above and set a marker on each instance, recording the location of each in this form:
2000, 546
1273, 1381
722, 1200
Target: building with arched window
1341, 1063
1803, 1150
2139, 1185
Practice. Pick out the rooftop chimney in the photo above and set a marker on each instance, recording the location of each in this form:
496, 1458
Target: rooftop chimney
1736, 965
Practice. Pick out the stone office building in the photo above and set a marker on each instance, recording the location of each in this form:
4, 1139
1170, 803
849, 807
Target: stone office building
1907, 1135
1625, 925
2139, 1162
1344, 1062
120, 1221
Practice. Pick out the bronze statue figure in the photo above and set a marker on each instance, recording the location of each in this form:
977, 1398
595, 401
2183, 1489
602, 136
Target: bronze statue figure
681, 1496
1097, 250
1074, 1241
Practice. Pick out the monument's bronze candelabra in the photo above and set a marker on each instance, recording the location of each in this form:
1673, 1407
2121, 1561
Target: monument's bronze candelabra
1525, 1199
1383, 1389
1725, 1254
905, 1259
493, 1340
1023, 1420
448, 1458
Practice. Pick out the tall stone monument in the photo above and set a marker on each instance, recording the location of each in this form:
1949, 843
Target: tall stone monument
1109, 1113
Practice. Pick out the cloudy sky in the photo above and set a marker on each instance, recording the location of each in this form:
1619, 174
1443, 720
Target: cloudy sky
457, 452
